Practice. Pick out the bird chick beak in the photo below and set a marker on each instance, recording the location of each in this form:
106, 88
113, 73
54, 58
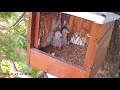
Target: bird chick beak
67, 32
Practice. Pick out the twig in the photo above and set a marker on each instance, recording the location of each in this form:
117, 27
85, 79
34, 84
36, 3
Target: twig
19, 19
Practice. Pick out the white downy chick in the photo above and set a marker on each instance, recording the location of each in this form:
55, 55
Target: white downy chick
64, 36
57, 39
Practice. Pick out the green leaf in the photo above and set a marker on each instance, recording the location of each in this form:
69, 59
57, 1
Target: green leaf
117, 75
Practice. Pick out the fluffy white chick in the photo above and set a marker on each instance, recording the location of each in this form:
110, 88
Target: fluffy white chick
64, 37
56, 41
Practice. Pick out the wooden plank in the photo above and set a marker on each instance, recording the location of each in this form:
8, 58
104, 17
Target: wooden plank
41, 61
91, 51
101, 52
79, 25
30, 34
107, 35
98, 49
37, 28
105, 29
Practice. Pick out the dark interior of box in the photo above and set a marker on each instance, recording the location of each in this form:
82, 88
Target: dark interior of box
74, 51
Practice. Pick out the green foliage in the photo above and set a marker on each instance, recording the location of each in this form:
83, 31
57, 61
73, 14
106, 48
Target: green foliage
13, 44
5, 67
8, 15
117, 75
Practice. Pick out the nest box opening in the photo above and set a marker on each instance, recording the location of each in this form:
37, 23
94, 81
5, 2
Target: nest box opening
71, 48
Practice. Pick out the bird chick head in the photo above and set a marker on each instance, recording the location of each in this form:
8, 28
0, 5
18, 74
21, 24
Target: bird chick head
58, 34
65, 31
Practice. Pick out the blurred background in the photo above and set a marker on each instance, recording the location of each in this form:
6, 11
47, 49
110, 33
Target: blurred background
13, 43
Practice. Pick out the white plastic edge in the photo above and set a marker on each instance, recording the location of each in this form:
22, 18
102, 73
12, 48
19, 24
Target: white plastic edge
50, 76
95, 16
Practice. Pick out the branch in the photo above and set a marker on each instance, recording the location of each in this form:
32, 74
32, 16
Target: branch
15, 71
19, 19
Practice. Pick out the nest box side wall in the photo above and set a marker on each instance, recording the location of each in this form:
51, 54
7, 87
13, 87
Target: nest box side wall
91, 50
102, 46
37, 29
30, 34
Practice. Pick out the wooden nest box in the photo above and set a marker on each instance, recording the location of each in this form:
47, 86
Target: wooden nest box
88, 38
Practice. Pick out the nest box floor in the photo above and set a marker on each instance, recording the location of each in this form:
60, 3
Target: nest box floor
72, 54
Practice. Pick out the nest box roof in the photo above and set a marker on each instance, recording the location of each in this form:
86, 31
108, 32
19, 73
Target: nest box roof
97, 17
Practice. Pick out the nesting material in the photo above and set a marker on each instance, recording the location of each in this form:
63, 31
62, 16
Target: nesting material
71, 54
